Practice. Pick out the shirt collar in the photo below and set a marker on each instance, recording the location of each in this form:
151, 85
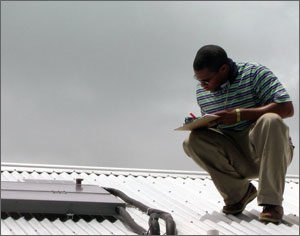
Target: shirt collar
233, 71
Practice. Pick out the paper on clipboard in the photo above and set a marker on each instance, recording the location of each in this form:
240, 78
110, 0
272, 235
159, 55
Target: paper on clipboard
200, 122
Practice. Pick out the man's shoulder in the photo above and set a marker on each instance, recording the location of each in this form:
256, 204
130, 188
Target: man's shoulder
250, 68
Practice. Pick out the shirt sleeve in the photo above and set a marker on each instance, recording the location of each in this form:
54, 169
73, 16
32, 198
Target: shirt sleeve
267, 87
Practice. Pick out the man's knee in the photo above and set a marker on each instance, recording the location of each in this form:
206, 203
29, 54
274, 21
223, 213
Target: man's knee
187, 145
271, 124
270, 118
190, 142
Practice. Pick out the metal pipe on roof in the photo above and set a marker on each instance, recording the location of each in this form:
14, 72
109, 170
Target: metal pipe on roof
167, 217
127, 219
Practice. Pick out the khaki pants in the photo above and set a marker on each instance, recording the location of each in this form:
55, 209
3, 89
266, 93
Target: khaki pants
233, 158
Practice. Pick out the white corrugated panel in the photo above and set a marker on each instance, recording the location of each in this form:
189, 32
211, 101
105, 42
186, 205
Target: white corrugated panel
192, 200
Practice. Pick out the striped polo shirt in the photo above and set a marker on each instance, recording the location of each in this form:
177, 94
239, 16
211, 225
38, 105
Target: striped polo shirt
252, 85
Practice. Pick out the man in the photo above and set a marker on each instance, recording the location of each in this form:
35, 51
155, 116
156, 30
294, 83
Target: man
249, 139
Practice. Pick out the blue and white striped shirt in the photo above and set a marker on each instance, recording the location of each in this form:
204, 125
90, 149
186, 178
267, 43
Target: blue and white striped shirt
252, 85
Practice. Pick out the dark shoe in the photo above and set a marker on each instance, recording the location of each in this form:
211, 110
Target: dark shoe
241, 205
271, 213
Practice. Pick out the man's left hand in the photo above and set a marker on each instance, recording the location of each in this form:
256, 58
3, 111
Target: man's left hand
226, 117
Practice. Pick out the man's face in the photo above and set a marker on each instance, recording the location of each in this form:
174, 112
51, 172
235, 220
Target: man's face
211, 81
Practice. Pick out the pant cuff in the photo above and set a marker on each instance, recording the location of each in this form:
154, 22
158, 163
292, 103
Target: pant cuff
268, 201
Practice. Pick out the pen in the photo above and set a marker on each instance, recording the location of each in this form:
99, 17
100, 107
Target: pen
193, 115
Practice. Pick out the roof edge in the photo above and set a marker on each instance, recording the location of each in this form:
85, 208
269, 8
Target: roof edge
10, 166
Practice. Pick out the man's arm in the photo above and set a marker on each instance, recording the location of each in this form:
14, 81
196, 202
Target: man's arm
285, 110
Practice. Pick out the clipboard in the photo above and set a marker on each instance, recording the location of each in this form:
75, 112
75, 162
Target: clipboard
198, 123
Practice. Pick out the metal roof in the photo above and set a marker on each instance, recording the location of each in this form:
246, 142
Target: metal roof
190, 197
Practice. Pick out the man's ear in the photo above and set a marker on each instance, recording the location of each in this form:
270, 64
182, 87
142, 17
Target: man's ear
224, 68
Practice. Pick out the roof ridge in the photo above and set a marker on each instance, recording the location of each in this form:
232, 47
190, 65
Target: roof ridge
91, 169
111, 170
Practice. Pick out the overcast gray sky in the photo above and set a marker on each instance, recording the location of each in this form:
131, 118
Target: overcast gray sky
105, 83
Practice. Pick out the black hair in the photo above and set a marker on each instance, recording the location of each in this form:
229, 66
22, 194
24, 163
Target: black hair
211, 57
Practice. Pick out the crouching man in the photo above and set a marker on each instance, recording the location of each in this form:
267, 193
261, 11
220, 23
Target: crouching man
250, 139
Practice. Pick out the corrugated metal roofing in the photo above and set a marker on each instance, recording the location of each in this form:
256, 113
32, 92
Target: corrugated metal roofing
190, 197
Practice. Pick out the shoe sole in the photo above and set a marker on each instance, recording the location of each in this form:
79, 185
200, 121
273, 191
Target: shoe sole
269, 220
241, 210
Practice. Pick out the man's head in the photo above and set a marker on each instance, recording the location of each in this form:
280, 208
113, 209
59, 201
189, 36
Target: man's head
211, 67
